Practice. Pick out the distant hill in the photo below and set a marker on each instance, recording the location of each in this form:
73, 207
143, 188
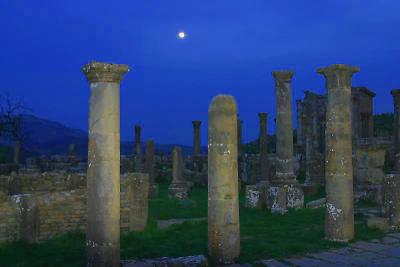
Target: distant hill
45, 137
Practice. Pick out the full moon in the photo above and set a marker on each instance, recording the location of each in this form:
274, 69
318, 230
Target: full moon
182, 35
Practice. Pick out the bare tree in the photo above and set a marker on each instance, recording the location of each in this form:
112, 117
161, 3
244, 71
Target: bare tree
11, 122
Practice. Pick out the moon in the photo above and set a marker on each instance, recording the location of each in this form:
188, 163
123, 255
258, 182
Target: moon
181, 35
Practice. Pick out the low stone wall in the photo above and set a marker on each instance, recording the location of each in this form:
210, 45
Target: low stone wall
39, 216
41, 182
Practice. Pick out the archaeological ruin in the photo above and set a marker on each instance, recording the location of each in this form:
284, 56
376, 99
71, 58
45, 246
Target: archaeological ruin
335, 149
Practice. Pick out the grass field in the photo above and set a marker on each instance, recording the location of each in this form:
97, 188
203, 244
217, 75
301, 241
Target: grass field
263, 235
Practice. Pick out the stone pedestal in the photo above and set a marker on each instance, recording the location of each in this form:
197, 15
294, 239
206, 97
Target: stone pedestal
103, 177
149, 168
223, 194
339, 218
196, 138
179, 187
256, 195
138, 191
284, 192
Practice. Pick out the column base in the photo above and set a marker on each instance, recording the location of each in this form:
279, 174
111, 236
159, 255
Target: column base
282, 195
179, 190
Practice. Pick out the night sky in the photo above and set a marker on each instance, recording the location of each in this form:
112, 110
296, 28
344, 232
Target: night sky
231, 47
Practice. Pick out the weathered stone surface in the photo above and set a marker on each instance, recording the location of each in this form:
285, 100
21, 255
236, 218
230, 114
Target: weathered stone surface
164, 224
339, 219
319, 203
256, 196
103, 182
223, 199
179, 187
138, 193
270, 263
392, 199
189, 261
150, 169
284, 192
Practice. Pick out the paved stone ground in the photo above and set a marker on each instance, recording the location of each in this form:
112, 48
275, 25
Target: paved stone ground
376, 253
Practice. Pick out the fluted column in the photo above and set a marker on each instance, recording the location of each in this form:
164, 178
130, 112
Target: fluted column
223, 195
263, 139
103, 177
339, 218
196, 137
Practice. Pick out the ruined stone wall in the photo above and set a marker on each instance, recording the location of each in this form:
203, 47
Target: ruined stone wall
41, 182
42, 215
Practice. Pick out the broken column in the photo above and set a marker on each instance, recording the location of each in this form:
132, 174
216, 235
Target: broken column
179, 187
285, 191
196, 138
339, 218
138, 191
263, 139
223, 200
103, 177
138, 150
150, 169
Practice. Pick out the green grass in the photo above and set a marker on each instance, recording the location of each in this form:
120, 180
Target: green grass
264, 235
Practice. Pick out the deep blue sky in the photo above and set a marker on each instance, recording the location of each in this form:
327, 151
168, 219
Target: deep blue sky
232, 47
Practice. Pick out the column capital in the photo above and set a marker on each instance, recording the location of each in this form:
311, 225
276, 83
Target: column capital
283, 75
395, 92
104, 72
196, 123
338, 69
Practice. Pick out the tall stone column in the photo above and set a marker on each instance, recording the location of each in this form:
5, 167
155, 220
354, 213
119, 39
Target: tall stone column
396, 126
138, 150
284, 192
223, 199
103, 177
179, 188
153, 186
263, 140
339, 218
300, 134
196, 138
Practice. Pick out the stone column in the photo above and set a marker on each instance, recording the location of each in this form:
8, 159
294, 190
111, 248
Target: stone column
396, 126
103, 177
300, 134
138, 150
153, 186
179, 188
196, 138
339, 218
223, 200
284, 192
263, 140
